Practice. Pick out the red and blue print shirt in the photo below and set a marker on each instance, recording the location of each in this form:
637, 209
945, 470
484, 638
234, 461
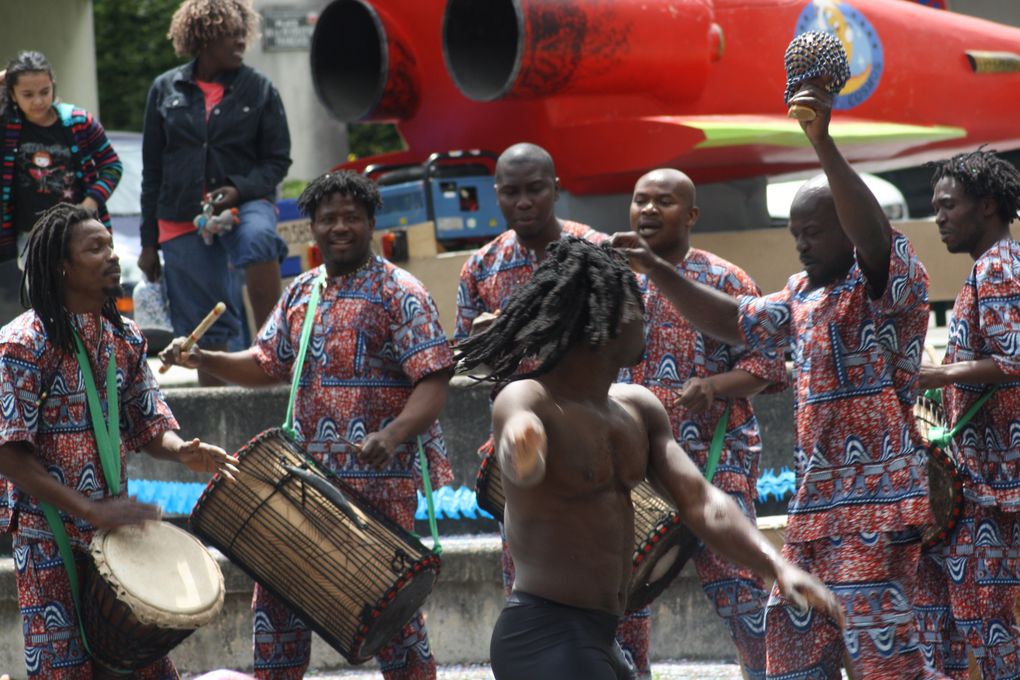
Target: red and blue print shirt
376, 335
43, 404
500, 267
860, 466
986, 325
675, 352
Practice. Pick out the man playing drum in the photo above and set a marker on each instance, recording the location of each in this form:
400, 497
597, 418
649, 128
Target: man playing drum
376, 378
572, 446
527, 189
969, 583
855, 320
701, 380
48, 442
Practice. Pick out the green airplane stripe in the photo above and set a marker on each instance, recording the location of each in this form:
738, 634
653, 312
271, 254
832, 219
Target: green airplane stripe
788, 133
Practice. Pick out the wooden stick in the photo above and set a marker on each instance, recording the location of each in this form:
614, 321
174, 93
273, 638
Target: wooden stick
799, 112
199, 331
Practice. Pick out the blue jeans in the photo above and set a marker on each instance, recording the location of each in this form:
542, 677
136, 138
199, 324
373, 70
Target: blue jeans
198, 276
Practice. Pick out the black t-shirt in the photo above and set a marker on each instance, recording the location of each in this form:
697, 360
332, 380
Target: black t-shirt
44, 172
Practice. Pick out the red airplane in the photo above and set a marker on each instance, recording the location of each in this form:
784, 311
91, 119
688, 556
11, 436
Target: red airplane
614, 87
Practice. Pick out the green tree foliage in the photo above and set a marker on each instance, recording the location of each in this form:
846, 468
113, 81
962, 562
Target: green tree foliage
369, 139
131, 50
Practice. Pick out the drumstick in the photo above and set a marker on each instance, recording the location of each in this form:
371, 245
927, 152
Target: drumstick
199, 331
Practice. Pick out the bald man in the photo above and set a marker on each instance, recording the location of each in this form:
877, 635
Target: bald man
701, 381
855, 321
527, 189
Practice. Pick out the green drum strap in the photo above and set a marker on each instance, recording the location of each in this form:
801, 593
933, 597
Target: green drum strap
941, 438
427, 485
715, 452
67, 557
299, 364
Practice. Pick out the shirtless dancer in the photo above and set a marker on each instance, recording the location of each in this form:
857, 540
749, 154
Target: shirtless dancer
572, 446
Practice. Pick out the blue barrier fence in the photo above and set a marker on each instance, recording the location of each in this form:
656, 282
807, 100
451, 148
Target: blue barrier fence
178, 498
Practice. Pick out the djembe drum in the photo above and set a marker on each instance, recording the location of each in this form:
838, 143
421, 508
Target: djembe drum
352, 574
147, 588
945, 485
662, 543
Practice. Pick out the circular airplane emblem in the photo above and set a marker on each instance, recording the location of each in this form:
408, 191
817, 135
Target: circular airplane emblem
860, 40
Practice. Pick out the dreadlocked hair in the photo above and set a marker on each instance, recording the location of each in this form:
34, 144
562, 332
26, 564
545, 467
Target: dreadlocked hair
581, 293
42, 283
196, 23
355, 186
983, 174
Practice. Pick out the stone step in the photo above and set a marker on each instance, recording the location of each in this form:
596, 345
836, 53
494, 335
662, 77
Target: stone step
461, 613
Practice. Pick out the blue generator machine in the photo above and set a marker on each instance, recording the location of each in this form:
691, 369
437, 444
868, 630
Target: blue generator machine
453, 191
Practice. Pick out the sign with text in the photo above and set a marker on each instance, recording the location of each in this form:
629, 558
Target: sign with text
287, 28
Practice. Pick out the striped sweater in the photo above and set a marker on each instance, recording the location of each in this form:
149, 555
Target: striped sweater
99, 169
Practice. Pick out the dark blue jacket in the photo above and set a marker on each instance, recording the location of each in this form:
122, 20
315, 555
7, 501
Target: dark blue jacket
245, 143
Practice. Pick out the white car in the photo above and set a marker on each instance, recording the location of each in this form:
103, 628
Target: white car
780, 195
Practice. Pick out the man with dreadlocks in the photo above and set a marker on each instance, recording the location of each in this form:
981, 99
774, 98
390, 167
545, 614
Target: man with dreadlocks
375, 379
855, 319
968, 584
704, 385
526, 190
49, 454
571, 446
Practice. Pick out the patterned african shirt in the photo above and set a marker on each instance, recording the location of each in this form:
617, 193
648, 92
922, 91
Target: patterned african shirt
376, 335
43, 403
986, 324
500, 267
675, 352
859, 464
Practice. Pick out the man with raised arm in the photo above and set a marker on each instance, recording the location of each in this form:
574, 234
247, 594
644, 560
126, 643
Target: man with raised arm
855, 320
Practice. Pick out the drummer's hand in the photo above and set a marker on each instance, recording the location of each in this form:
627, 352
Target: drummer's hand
697, 395
201, 457
174, 355
377, 450
119, 511
929, 377
639, 253
804, 590
482, 322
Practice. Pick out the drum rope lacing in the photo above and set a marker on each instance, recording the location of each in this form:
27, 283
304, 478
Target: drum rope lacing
288, 425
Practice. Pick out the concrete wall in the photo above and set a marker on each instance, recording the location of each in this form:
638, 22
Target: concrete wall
318, 142
230, 416
62, 30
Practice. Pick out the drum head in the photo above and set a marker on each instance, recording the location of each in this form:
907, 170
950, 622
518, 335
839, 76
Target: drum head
389, 622
164, 574
660, 565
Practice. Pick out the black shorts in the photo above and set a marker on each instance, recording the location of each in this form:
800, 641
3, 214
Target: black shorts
535, 638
